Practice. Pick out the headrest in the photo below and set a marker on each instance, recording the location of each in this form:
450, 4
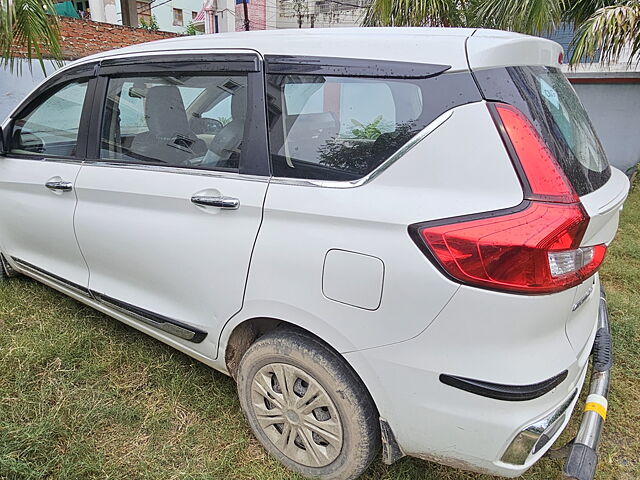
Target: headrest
165, 113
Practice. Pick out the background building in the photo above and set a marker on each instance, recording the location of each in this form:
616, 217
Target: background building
272, 14
319, 13
169, 15
217, 16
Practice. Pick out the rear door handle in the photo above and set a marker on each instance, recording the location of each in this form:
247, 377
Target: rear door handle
59, 185
228, 203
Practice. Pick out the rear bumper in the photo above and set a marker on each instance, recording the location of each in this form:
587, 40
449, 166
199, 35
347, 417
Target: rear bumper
582, 458
435, 421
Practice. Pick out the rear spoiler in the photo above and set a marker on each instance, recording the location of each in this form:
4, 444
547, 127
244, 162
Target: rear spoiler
494, 48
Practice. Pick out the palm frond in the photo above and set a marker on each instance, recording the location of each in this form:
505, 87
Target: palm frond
526, 16
25, 24
612, 31
415, 13
579, 11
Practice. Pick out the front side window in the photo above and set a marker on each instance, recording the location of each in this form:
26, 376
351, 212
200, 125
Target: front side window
182, 121
340, 128
51, 128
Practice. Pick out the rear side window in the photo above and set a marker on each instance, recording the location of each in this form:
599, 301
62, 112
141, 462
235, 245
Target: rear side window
340, 128
189, 120
546, 97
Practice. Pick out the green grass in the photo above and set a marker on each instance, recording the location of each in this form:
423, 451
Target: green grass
83, 396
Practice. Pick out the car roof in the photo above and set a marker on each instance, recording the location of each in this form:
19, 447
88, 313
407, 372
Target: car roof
459, 48
443, 46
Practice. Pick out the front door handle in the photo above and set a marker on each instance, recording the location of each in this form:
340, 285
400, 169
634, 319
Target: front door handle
59, 185
228, 203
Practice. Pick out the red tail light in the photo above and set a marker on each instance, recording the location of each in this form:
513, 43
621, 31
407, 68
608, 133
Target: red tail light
534, 249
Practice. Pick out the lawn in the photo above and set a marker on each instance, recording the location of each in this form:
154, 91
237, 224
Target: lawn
83, 396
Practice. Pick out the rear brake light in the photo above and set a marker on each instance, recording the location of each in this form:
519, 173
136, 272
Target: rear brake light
535, 249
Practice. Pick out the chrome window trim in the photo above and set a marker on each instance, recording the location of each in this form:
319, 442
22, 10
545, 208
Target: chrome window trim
34, 158
424, 133
258, 178
178, 170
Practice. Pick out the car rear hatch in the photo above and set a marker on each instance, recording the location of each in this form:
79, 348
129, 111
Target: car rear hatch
541, 93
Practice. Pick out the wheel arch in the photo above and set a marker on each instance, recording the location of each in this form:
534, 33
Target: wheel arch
240, 333
257, 318
238, 336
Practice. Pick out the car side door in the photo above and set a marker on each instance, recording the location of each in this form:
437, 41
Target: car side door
170, 202
45, 143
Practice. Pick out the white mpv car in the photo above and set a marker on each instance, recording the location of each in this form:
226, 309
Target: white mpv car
388, 237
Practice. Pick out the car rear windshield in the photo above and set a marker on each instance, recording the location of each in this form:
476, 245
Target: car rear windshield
545, 95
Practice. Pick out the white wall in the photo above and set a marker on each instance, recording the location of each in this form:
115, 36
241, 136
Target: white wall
615, 112
14, 87
164, 13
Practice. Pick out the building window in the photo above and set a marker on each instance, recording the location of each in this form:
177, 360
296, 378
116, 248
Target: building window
82, 6
194, 15
144, 12
177, 17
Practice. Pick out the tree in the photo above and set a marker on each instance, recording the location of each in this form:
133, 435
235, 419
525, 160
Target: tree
301, 9
191, 29
151, 25
605, 27
615, 29
27, 25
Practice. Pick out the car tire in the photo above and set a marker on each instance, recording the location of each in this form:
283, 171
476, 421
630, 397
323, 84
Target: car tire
307, 407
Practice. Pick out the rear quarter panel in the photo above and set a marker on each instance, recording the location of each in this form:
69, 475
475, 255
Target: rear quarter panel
460, 168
